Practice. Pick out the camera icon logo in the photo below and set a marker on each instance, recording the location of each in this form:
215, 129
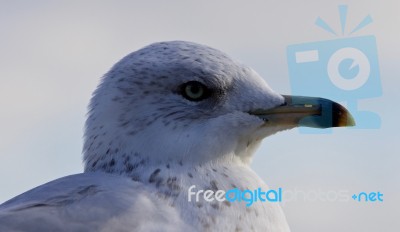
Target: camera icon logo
344, 69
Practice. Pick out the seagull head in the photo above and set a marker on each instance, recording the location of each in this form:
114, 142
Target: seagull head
186, 102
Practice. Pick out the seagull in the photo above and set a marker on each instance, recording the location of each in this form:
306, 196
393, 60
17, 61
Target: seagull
164, 118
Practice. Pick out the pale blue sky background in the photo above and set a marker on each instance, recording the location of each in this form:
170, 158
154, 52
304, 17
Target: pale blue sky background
52, 56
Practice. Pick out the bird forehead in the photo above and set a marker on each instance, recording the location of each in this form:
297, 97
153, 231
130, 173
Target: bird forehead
178, 52
176, 62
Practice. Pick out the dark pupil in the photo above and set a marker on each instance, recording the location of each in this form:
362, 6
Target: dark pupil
195, 89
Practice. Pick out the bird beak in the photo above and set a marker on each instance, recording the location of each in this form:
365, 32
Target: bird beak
307, 112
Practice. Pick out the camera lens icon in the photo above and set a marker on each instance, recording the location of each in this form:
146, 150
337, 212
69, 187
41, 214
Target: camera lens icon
348, 68
344, 69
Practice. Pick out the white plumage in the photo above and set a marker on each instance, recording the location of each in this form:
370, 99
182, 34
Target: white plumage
168, 116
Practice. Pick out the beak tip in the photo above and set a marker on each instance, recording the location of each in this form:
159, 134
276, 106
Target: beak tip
346, 121
343, 116
350, 121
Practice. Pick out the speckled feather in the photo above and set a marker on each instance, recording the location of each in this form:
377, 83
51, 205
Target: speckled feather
145, 145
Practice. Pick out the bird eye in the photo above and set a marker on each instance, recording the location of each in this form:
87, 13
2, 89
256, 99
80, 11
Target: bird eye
195, 91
